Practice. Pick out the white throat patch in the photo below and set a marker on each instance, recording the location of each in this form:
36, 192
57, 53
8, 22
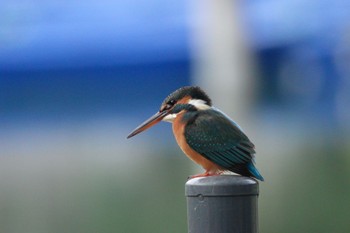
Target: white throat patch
170, 118
199, 104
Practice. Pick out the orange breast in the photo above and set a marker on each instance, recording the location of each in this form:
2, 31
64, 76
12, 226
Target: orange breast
179, 133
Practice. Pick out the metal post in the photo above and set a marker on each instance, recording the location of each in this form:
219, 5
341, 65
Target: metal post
222, 204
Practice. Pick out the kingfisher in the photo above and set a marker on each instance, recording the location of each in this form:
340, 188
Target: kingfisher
205, 134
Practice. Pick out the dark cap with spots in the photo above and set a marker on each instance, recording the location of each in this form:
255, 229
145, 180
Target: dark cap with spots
193, 92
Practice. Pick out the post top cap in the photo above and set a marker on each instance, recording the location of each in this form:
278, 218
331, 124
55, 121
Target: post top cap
223, 185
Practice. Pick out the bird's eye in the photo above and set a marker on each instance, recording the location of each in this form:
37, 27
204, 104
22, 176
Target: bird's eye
169, 105
171, 102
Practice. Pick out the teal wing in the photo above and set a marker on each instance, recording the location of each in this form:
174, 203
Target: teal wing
220, 140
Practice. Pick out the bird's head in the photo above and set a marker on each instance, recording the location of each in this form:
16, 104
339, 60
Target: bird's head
184, 99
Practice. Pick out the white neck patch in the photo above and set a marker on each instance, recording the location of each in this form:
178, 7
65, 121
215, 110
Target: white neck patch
199, 104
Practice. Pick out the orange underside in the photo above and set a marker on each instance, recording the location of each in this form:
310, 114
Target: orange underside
178, 130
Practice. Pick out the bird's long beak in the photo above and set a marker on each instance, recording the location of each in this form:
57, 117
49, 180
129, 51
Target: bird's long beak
149, 123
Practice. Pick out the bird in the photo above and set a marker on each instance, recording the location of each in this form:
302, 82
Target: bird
205, 134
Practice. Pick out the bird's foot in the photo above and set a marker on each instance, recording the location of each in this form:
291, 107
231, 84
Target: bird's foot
205, 174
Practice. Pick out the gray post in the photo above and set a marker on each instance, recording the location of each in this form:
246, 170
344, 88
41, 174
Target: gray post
222, 204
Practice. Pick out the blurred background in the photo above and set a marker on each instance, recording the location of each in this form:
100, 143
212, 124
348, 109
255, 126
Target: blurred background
77, 77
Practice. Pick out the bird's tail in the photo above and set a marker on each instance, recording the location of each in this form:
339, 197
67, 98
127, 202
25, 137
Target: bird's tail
254, 171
